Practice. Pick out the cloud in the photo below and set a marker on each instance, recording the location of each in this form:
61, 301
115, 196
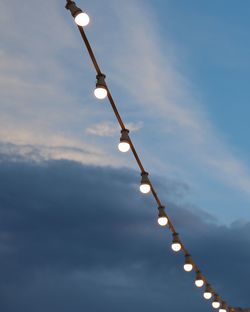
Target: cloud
47, 110
71, 233
58, 148
148, 69
40, 95
111, 129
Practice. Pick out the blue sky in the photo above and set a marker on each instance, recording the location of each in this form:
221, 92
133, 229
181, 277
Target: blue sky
177, 70
179, 73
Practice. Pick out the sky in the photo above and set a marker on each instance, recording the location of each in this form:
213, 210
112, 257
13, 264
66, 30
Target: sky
75, 232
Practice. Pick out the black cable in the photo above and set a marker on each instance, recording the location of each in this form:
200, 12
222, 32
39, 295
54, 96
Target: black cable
138, 160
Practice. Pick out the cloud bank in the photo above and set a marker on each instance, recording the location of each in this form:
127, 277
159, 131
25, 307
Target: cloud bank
75, 237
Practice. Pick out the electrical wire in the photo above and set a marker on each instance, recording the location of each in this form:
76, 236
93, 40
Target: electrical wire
140, 165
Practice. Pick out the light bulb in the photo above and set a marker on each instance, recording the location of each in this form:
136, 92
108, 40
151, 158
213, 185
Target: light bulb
199, 280
82, 19
176, 245
188, 266
215, 305
207, 295
223, 310
145, 184
216, 302
145, 188
100, 93
124, 145
162, 217
199, 283
101, 89
208, 292
163, 221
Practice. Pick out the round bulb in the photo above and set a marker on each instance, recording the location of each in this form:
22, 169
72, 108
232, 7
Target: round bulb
145, 188
216, 304
176, 247
207, 295
82, 19
222, 310
123, 147
100, 93
188, 267
199, 283
163, 221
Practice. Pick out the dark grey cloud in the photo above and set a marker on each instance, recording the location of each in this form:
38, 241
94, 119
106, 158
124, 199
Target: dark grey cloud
81, 238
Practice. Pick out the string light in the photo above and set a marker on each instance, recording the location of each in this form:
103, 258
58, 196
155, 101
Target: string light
216, 302
81, 18
162, 218
145, 184
223, 307
124, 145
199, 282
101, 92
101, 88
208, 293
188, 265
176, 245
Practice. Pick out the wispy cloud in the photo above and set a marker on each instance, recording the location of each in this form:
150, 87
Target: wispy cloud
150, 74
39, 98
111, 128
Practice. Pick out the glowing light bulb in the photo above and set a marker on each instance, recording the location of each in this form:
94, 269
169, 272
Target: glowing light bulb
199, 283
162, 218
188, 266
124, 145
145, 184
215, 305
82, 19
101, 89
176, 245
145, 188
163, 221
216, 302
199, 280
100, 93
207, 295
208, 292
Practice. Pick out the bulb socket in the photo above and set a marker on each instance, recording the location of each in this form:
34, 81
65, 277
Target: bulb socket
199, 276
162, 216
161, 213
124, 136
74, 10
188, 259
100, 83
144, 178
176, 238
223, 306
208, 289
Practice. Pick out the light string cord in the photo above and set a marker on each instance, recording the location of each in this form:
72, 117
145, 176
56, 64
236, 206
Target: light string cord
140, 165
